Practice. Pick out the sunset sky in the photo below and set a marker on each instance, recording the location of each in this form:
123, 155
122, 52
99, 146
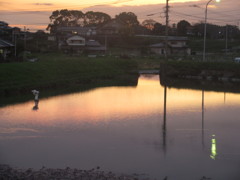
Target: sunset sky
34, 14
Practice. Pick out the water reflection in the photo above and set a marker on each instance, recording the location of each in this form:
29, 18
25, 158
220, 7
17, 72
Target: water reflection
35, 107
165, 120
203, 119
213, 148
148, 129
36, 100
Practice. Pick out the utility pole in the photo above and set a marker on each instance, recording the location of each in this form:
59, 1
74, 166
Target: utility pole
166, 31
226, 43
15, 45
105, 44
25, 38
14, 40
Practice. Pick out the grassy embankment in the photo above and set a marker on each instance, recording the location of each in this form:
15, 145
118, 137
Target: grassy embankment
58, 73
214, 76
196, 67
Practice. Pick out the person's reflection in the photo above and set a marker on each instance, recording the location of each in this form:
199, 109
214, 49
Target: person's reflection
35, 107
36, 101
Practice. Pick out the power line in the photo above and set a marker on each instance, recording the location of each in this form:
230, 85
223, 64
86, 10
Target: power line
201, 18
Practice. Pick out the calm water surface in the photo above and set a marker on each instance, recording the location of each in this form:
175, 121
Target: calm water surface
128, 130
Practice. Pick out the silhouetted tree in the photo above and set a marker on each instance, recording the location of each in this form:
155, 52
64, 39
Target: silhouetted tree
131, 22
76, 18
182, 27
65, 18
95, 18
158, 29
233, 32
213, 31
149, 23
129, 18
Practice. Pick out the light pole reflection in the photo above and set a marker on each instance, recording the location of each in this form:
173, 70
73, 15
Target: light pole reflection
164, 127
203, 119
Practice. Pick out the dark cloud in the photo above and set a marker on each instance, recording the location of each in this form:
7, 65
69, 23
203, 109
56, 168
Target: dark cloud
42, 4
2, 3
14, 13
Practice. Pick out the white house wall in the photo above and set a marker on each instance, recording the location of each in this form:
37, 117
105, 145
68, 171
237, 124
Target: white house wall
76, 41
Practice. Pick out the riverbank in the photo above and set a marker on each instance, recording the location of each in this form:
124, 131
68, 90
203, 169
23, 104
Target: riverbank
210, 76
9, 173
201, 70
59, 71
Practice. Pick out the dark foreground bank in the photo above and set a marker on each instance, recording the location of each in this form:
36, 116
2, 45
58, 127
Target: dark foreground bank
9, 173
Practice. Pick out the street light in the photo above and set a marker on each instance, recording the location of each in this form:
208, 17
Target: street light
205, 30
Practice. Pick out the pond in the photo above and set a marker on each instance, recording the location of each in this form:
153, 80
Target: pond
150, 129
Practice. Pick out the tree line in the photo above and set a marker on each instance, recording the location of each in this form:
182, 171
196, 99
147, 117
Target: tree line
89, 19
148, 27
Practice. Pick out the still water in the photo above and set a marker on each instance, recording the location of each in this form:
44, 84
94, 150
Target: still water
180, 133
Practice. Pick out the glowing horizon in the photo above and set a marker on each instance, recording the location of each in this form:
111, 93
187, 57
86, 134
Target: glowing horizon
28, 5
35, 15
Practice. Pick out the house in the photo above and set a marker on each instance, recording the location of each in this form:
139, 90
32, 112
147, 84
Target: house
6, 48
158, 48
94, 48
77, 45
176, 46
111, 28
73, 44
76, 34
75, 41
76, 30
5, 31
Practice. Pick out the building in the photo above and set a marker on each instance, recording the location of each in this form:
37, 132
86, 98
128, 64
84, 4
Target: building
111, 28
76, 30
6, 48
176, 46
94, 48
73, 38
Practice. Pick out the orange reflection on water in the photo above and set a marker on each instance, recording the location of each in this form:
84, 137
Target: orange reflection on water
111, 103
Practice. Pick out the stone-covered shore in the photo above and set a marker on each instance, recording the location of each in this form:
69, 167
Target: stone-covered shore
10, 173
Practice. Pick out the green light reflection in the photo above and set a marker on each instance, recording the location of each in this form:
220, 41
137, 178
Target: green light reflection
213, 148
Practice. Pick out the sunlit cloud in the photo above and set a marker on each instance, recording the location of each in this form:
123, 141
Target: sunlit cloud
121, 1
212, 6
31, 27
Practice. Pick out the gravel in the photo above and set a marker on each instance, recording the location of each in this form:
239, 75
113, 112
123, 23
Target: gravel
10, 173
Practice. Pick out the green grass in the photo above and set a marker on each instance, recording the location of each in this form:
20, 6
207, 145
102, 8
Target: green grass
212, 45
59, 70
207, 65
